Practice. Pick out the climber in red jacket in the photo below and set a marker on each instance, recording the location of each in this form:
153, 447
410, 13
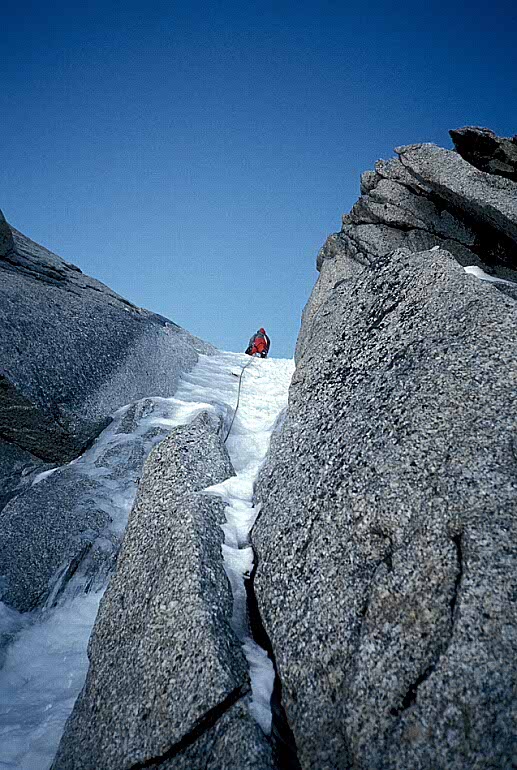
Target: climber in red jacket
259, 344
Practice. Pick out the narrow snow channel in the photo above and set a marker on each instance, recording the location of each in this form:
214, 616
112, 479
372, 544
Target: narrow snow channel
263, 396
43, 653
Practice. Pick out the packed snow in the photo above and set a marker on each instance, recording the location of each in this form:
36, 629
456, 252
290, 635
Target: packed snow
263, 398
479, 273
43, 653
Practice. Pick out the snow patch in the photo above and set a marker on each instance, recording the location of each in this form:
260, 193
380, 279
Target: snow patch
479, 273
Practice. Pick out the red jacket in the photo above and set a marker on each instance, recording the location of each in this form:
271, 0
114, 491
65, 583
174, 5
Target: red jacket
259, 343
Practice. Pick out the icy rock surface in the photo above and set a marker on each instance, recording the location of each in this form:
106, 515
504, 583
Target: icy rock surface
386, 539
44, 651
175, 691
177, 660
73, 517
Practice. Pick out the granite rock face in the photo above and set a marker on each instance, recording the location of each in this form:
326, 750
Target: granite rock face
386, 539
73, 351
170, 691
62, 524
488, 199
17, 470
487, 151
385, 536
427, 197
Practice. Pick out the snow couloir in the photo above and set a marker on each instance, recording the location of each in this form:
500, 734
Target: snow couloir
45, 661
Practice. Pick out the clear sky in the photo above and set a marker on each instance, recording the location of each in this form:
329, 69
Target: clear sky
195, 155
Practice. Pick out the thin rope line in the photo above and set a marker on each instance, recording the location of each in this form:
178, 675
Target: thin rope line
238, 399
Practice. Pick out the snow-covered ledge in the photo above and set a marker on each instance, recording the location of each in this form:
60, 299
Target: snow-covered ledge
479, 273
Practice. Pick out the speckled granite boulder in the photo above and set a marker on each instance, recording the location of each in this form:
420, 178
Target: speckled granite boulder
168, 680
386, 540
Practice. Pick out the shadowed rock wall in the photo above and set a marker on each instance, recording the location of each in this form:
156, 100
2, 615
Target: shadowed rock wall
487, 151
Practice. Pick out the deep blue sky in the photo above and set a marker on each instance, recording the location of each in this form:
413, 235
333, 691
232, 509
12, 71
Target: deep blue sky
194, 156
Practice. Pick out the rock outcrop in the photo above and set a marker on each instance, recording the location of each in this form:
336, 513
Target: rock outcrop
73, 351
488, 200
168, 681
426, 197
487, 151
63, 523
386, 540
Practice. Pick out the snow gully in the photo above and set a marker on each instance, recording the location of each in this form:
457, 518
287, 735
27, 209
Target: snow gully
45, 666
262, 397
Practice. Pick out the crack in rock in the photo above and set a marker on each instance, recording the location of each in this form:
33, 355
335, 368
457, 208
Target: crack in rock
203, 725
411, 695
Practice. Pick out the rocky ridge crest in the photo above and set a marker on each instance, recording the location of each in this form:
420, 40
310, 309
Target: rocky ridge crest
425, 197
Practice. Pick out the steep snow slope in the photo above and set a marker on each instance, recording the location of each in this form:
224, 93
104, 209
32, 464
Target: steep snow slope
46, 663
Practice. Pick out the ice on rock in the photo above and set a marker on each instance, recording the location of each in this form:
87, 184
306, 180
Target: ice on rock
262, 675
263, 400
45, 474
44, 652
42, 675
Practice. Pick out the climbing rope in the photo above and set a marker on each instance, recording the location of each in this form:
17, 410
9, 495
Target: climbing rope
238, 398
